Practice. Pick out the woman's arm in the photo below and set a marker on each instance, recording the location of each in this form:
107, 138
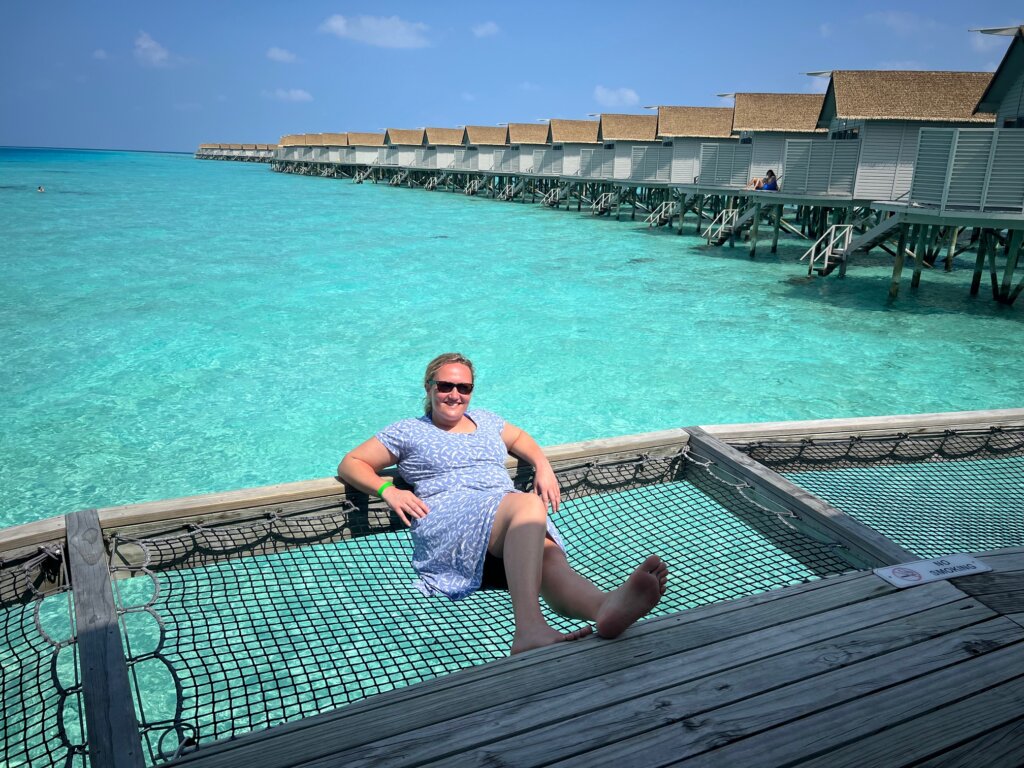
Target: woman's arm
518, 442
361, 468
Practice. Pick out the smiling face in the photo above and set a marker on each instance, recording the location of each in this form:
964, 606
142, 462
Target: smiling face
448, 408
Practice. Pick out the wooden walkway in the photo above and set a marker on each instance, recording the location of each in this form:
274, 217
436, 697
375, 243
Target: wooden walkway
842, 672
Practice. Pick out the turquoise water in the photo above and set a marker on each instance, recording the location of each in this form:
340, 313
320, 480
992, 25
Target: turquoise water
171, 326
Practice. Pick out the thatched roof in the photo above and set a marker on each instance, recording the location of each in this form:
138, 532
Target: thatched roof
292, 140
948, 97
406, 137
365, 139
314, 139
335, 139
777, 112
445, 137
235, 146
248, 146
1009, 71
699, 122
573, 131
628, 128
527, 133
486, 135
264, 146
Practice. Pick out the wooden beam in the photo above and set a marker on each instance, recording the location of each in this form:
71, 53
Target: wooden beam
979, 264
775, 229
1012, 255
753, 229
897, 267
922, 243
865, 547
114, 738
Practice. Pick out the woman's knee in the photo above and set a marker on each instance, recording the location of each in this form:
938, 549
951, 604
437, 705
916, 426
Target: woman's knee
529, 507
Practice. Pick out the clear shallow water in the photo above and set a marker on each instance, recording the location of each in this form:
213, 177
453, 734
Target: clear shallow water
171, 326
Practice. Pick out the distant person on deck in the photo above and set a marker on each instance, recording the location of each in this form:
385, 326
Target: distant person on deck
40, 188
472, 530
770, 183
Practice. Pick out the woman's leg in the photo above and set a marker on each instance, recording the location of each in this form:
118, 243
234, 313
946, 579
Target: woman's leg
518, 536
535, 565
573, 596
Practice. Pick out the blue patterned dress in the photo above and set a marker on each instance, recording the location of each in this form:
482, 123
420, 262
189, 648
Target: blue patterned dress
462, 479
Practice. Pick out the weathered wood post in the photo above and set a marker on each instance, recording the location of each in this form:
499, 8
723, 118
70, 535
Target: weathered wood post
901, 252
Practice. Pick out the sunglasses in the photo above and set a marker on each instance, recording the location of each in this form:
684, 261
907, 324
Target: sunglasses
444, 387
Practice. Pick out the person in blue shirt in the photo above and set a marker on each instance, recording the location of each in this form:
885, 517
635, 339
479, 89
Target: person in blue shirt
770, 182
472, 529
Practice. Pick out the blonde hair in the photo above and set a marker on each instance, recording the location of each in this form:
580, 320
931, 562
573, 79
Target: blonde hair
436, 364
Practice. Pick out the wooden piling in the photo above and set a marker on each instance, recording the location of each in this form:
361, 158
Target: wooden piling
901, 252
1012, 255
753, 230
922, 243
979, 263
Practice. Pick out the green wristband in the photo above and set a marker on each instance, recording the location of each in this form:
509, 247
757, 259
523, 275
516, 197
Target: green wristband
380, 491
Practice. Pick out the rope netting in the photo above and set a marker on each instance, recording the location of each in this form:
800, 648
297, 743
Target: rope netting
41, 715
234, 628
960, 491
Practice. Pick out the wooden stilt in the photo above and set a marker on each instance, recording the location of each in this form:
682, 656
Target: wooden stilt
753, 230
1012, 255
993, 239
775, 229
901, 252
979, 265
951, 250
922, 243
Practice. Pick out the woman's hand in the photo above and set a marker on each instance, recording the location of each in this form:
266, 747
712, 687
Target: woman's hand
405, 504
545, 484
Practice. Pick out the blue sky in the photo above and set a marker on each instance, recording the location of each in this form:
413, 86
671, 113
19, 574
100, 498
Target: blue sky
167, 76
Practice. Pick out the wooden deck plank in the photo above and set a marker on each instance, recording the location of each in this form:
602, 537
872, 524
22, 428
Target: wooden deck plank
992, 583
1001, 747
793, 715
822, 642
532, 673
113, 729
939, 730
865, 546
1005, 602
586, 716
888, 695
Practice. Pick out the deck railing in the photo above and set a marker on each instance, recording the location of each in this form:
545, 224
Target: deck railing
970, 169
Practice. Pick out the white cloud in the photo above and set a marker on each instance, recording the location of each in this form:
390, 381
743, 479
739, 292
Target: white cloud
382, 31
150, 52
100, 55
294, 95
816, 85
615, 97
902, 23
907, 64
825, 30
487, 29
986, 43
280, 54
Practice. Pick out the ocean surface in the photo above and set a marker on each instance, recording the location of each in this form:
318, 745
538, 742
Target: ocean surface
170, 326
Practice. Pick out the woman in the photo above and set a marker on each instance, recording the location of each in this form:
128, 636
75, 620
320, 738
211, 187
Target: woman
769, 183
472, 529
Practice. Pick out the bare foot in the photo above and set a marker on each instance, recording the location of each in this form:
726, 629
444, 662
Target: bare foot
635, 598
527, 640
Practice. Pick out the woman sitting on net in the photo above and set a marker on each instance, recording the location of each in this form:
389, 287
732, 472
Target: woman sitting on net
471, 529
770, 183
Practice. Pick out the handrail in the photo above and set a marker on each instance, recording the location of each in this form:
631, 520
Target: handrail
726, 218
840, 234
